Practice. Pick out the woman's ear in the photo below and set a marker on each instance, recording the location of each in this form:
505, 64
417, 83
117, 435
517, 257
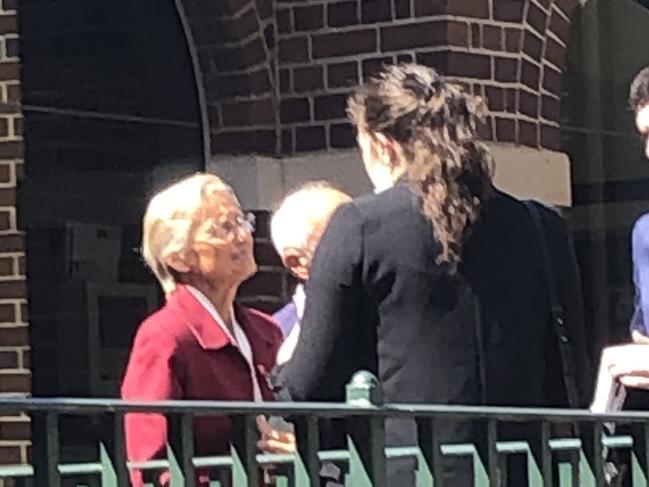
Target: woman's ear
386, 148
182, 262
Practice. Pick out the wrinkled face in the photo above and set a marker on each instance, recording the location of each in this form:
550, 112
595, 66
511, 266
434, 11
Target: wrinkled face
642, 124
222, 245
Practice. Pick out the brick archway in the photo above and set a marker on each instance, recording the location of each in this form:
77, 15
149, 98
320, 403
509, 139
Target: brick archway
233, 43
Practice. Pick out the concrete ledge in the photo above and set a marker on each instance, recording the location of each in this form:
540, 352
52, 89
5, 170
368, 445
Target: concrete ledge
261, 181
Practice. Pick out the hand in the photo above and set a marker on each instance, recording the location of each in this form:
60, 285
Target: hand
273, 440
629, 364
639, 337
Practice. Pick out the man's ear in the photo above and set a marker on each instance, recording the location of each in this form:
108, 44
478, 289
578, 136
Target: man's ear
296, 261
182, 262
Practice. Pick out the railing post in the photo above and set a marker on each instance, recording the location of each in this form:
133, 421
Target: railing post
245, 472
307, 465
366, 437
46, 449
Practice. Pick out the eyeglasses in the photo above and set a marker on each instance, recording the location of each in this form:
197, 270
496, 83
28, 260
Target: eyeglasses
225, 227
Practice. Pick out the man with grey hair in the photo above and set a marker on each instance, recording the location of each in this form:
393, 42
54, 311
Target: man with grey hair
296, 227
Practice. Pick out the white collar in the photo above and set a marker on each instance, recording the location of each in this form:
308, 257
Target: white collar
299, 298
211, 309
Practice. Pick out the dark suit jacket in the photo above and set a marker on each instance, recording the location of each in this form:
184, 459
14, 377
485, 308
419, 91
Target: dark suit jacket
180, 352
377, 300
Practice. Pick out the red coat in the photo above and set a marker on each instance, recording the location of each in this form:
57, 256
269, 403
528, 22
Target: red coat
180, 352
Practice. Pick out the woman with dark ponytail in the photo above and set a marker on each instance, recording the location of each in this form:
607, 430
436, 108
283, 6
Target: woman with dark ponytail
435, 282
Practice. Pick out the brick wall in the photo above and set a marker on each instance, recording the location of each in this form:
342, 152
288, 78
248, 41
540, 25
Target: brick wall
510, 51
15, 376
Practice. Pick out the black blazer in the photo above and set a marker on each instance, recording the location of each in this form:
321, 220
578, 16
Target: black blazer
377, 300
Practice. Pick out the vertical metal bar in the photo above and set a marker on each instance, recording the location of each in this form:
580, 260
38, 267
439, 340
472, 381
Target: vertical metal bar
108, 475
307, 464
492, 453
181, 451
645, 431
366, 444
245, 472
119, 450
46, 449
430, 447
598, 454
546, 455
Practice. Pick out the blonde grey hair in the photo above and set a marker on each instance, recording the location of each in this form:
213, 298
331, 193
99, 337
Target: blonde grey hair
301, 211
170, 218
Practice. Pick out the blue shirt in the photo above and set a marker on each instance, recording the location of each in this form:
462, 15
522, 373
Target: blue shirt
640, 254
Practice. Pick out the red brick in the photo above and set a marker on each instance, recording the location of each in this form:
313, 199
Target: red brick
308, 18
22, 266
533, 46
7, 313
342, 135
229, 86
18, 123
6, 266
308, 79
310, 138
342, 74
555, 52
375, 11
13, 93
344, 43
295, 110
12, 47
330, 107
506, 70
551, 80
492, 37
560, 26
512, 40
476, 35
8, 24
469, 65
567, 6
246, 113
284, 25
15, 382
551, 109
24, 313
27, 361
457, 34
294, 49
429, 7
536, 18
4, 127
342, 14
11, 150
8, 360
287, 141
508, 10
528, 104
495, 98
263, 141
505, 130
10, 455
7, 195
13, 289
5, 173
528, 133
406, 58
436, 60
402, 9
550, 137
10, 337
530, 75
12, 243
468, 8
412, 36
285, 80
5, 220
10, 4
15, 430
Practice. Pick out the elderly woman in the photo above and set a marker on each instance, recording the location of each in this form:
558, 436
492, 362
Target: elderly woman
200, 345
436, 282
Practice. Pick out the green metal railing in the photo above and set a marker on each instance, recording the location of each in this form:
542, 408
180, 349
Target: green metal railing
562, 461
